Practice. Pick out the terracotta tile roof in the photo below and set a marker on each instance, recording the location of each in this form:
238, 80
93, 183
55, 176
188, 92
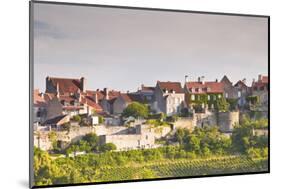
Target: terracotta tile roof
66, 98
38, 99
91, 102
170, 86
147, 88
262, 82
131, 97
101, 94
67, 85
126, 97
206, 87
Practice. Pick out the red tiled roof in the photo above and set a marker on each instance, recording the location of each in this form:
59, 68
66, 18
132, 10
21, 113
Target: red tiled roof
67, 85
101, 94
147, 88
38, 100
261, 83
126, 97
206, 87
170, 86
90, 102
66, 98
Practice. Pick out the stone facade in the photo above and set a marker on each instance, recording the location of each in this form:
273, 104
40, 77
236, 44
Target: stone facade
142, 138
168, 101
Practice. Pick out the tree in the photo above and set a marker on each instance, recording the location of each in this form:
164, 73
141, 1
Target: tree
101, 120
136, 110
222, 105
232, 103
181, 135
107, 147
77, 118
92, 139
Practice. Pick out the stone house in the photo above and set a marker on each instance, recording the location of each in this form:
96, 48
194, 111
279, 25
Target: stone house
242, 92
123, 100
57, 122
169, 98
105, 98
65, 96
147, 94
141, 138
65, 86
201, 94
229, 91
260, 88
39, 107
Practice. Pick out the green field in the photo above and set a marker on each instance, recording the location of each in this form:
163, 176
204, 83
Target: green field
182, 168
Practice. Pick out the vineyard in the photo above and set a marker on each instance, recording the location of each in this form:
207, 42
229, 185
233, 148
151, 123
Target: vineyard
182, 168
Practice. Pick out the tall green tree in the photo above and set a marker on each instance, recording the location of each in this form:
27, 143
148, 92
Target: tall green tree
136, 110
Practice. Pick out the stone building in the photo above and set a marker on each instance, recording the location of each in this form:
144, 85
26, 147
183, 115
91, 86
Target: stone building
243, 91
202, 93
123, 100
260, 88
229, 91
39, 107
141, 138
169, 98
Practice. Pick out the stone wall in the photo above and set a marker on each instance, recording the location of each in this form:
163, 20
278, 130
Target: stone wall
188, 123
227, 120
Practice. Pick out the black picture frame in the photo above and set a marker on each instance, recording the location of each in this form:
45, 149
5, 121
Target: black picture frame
31, 87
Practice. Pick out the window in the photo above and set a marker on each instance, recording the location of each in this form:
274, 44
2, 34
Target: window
209, 97
192, 97
215, 98
226, 95
219, 96
239, 94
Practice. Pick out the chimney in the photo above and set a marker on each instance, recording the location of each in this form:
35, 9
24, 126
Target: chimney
105, 90
186, 78
82, 84
244, 80
216, 80
96, 98
199, 79
260, 77
47, 84
58, 90
202, 79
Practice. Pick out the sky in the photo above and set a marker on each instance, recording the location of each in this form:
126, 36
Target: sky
123, 48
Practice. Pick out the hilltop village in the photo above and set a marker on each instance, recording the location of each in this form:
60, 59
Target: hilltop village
143, 118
